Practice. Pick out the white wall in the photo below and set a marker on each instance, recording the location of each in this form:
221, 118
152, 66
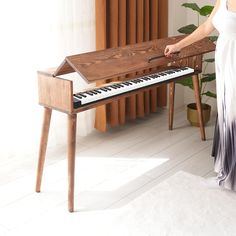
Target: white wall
178, 17
36, 35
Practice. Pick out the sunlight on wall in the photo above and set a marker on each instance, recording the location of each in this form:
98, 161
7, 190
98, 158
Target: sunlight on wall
36, 35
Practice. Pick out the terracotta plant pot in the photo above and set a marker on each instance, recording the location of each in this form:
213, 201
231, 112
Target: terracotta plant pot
192, 114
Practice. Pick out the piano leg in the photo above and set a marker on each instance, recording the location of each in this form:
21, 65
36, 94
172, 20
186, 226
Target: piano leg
72, 118
195, 79
43, 146
171, 104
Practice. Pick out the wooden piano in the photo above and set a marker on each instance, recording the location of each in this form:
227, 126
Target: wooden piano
56, 93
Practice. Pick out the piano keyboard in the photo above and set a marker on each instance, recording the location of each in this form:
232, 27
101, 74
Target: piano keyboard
97, 94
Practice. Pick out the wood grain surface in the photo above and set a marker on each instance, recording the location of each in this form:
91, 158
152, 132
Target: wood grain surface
113, 62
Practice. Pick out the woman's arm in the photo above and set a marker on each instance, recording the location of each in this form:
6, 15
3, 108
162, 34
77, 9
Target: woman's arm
201, 32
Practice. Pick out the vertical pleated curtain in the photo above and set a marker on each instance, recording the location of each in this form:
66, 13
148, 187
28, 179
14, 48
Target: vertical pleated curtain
122, 22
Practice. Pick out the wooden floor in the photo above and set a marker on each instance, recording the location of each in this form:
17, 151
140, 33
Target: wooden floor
112, 169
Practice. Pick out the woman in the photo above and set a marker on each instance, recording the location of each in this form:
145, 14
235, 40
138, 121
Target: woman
222, 18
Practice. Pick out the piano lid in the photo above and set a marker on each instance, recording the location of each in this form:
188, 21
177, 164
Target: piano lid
114, 62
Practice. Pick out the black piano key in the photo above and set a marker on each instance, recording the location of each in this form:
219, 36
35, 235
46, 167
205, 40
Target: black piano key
154, 76
78, 96
104, 89
162, 74
146, 78
169, 72
89, 93
82, 95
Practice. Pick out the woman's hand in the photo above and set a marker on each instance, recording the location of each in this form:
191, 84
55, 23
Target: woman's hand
171, 49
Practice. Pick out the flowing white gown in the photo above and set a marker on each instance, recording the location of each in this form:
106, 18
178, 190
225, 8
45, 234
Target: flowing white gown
224, 145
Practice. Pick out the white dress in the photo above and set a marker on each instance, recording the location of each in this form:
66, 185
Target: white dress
224, 146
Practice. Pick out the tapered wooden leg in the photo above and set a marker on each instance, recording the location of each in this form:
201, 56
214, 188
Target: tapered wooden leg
199, 105
71, 159
171, 104
43, 146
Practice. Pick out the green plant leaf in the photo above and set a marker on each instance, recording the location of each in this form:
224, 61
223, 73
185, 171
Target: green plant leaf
210, 60
192, 6
188, 29
209, 94
206, 10
213, 38
188, 82
208, 78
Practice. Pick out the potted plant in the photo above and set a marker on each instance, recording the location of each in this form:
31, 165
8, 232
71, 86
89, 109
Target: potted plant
204, 78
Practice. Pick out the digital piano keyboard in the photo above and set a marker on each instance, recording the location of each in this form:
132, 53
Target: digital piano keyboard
56, 93
114, 89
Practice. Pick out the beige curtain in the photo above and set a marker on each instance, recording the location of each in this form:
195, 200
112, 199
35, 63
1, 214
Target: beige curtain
122, 22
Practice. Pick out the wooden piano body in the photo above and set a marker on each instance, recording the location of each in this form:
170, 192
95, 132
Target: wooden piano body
56, 93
